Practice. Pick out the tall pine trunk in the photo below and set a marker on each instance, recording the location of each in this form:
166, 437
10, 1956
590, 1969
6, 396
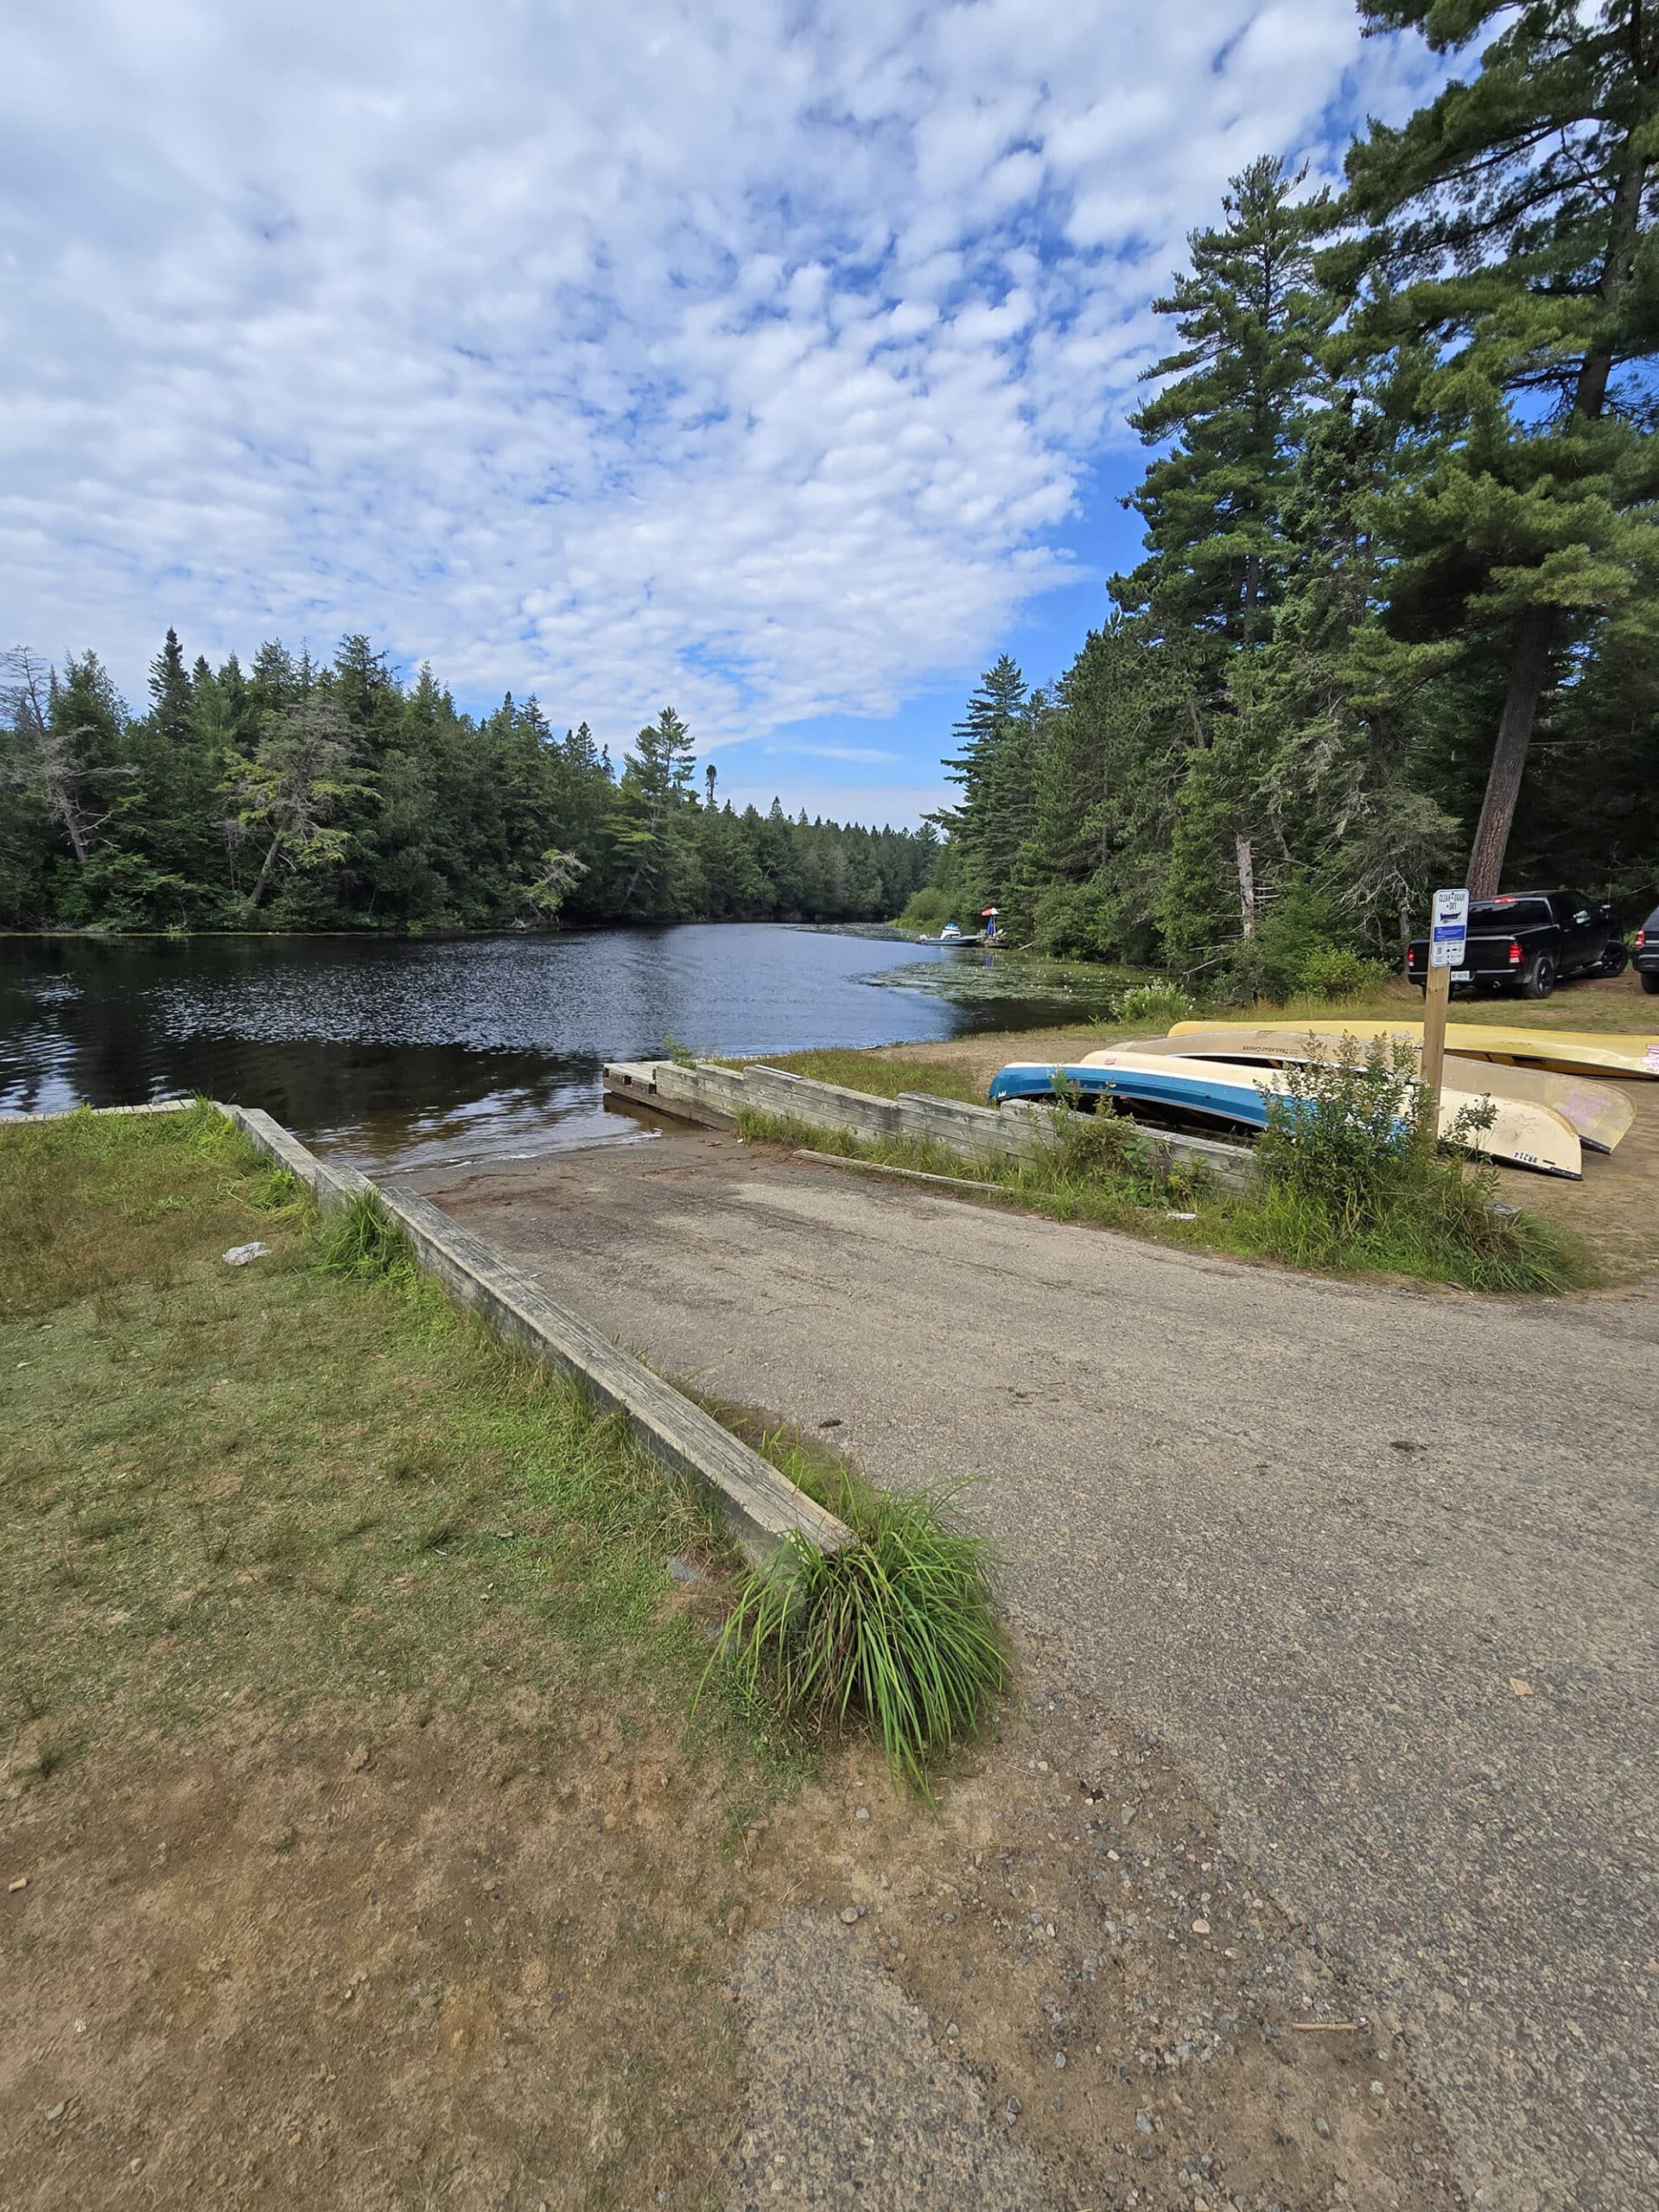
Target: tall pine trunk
1535, 647
1538, 630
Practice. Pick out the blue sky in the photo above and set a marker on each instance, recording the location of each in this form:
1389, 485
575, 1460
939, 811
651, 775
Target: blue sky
770, 360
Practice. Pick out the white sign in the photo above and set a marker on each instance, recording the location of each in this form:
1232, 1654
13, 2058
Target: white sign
1449, 929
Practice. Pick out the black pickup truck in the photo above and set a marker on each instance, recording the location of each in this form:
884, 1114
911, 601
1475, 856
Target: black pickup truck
1529, 941
1647, 954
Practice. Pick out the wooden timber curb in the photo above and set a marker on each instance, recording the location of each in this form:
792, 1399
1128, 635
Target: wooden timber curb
762, 1508
715, 1096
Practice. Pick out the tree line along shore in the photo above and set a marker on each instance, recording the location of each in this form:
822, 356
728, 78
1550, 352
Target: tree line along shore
294, 796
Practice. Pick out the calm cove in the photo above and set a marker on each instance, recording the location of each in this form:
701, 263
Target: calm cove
399, 1055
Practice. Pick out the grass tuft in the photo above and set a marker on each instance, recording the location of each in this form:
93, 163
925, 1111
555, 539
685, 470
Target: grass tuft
897, 1630
361, 1239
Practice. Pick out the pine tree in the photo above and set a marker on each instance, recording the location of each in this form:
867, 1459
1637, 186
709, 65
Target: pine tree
275, 680
1507, 272
289, 794
170, 694
653, 841
1233, 399
994, 765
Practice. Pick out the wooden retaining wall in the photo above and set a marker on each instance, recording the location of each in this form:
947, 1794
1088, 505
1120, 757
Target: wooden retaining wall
716, 1095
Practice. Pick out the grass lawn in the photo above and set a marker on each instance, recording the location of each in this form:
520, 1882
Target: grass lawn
345, 1731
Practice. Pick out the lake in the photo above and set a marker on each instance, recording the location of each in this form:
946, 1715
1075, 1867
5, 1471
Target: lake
398, 1055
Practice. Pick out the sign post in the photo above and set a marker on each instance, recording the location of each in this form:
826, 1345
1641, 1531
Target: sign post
1448, 931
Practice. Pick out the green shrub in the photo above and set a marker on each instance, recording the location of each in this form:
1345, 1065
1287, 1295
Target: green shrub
1337, 971
1351, 1179
1155, 1006
1096, 1144
929, 909
1299, 923
1343, 1134
896, 1630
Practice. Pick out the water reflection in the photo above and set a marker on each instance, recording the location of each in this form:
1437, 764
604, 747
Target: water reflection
398, 1054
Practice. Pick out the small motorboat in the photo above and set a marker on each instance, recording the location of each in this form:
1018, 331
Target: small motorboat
1600, 1114
1238, 1098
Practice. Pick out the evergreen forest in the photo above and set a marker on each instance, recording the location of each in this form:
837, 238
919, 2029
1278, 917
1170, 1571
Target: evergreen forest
291, 797
1397, 620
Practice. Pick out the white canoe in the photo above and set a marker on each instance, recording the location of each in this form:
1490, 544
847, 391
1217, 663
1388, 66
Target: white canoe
1523, 1135
1569, 1052
1600, 1114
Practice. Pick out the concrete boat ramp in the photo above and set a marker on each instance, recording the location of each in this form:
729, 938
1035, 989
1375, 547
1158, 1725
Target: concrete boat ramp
1376, 1565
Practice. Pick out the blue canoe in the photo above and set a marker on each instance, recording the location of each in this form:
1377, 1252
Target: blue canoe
1241, 1104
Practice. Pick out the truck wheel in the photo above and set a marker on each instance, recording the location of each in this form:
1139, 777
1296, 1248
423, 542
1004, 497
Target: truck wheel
1650, 981
1538, 977
1615, 960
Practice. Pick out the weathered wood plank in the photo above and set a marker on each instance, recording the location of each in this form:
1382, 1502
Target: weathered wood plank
63, 1113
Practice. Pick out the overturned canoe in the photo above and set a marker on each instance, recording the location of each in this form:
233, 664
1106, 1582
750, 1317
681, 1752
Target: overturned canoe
1567, 1051
1238, 1097
1229, 1095
1600, 1114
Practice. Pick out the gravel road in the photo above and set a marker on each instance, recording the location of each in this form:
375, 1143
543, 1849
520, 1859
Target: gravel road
1377, 1565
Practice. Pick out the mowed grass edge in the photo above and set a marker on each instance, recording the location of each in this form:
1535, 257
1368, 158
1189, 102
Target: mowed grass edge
313, 1477
295, 1479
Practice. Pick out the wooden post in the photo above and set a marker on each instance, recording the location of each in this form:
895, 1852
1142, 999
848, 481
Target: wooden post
1447, 928
1431, 1066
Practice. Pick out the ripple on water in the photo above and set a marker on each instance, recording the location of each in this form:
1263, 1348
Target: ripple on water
399, 1055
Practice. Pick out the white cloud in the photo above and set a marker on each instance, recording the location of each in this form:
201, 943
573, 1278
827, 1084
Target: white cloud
746, 356
868, 753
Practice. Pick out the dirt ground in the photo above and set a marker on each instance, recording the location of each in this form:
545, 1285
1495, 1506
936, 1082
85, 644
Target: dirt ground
512, 1963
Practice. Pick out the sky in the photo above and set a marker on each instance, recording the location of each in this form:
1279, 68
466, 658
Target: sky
771, 361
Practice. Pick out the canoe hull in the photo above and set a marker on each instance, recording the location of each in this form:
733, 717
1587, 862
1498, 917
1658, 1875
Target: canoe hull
1600, 1114
1565, 1052
1521, 1135
1221, 1095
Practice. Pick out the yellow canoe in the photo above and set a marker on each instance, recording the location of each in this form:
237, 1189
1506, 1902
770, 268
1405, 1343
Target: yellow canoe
1567, 1051
1522, 1136
1600, 1114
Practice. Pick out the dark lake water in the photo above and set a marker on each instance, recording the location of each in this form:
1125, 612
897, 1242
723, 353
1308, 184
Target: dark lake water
400, 1055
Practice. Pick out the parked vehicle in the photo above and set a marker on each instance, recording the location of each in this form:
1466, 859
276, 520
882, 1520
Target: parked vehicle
1646, 953
1529, 941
